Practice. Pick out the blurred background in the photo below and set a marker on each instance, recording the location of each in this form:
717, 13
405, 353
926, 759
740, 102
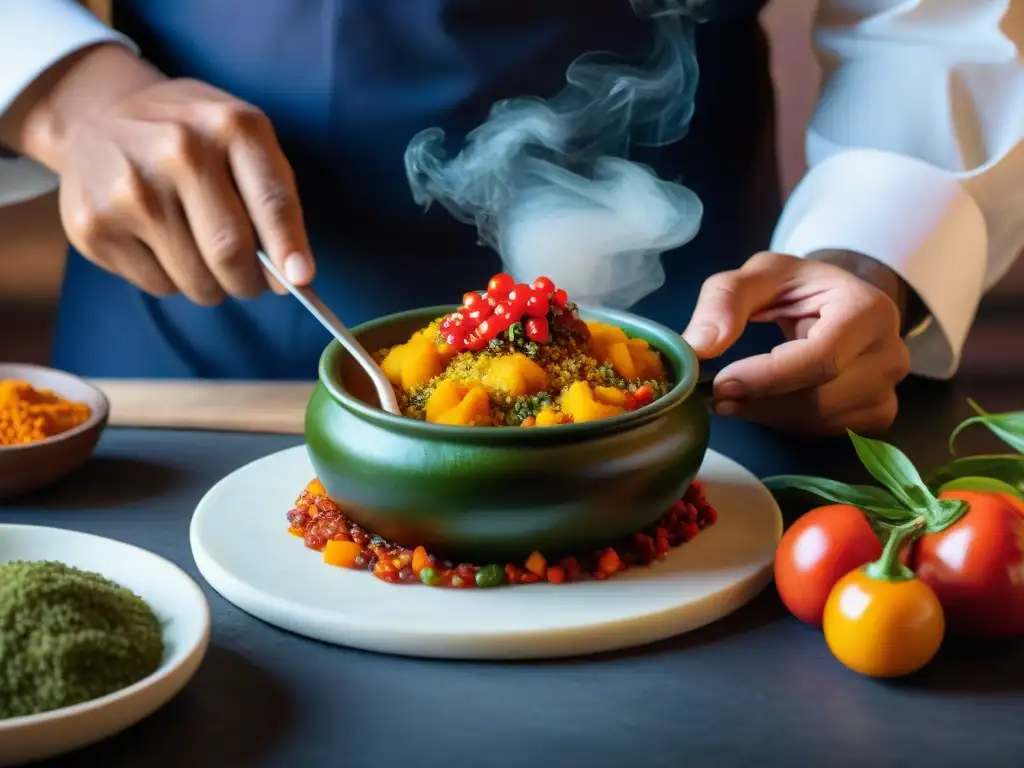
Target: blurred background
32, 245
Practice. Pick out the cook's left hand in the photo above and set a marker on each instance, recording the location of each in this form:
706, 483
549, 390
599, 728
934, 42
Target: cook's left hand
842, 359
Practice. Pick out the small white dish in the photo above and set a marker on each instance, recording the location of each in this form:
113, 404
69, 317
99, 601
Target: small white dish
241, 545
175, 598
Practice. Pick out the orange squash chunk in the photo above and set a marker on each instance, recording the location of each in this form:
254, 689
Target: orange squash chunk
516, 374
579, 403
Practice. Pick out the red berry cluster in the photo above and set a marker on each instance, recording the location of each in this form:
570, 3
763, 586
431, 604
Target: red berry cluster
485, 316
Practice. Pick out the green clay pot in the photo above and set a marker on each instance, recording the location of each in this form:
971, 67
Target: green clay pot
494, 494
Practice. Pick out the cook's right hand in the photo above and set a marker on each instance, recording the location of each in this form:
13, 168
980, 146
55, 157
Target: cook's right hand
170, 186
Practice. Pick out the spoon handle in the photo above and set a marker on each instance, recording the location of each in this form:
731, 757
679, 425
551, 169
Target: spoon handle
308, 297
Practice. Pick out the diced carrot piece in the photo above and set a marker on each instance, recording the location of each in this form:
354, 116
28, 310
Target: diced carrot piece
315, 488
342, 553
420, 560
529, 421
644, 395
556, 575
609, 562
536, 564
572, 568
296, 532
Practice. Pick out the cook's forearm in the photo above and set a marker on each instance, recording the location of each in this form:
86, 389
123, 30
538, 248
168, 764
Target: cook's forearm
85, 82
41, 42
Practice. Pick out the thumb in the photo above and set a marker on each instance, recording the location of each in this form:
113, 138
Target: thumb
726, 303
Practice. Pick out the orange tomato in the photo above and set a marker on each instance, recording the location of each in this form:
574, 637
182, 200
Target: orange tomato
883, 628
976, 566
817, 551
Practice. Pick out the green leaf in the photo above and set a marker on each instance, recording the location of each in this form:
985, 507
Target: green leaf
950, 510
981, 484
1008, 427
878, 502
1008, 467
891, 467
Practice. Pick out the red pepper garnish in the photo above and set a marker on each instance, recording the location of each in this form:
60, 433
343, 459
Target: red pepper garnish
503, 317
537, 305
537, 330
517, 299
500, 285
543, 285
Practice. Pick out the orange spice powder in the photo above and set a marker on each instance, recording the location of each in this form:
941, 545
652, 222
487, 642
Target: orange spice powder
28, 415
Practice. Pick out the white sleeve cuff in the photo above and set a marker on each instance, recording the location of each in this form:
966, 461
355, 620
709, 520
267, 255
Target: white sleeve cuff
910, 216
22, 179
33, 37
36, 35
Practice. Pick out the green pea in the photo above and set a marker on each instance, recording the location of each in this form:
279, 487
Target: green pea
430, 577
490, 576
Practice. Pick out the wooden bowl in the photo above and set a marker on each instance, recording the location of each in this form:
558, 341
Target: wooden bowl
28, 467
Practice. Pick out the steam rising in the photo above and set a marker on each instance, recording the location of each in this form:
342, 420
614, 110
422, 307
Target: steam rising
548, 183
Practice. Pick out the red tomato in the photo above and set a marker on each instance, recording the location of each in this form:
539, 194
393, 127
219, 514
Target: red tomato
816, 552
537, 330
1013, 501
500, 285
561, 298
976, 567
537, 305
543, 285
472, 300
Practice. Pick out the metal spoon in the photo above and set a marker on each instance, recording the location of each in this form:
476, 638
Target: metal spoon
307, 296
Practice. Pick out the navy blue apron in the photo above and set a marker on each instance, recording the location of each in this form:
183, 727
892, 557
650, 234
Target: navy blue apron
347, 83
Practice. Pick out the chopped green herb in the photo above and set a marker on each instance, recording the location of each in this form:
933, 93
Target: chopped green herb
68, 636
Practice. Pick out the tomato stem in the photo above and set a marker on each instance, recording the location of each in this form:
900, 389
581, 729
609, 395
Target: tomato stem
889, 567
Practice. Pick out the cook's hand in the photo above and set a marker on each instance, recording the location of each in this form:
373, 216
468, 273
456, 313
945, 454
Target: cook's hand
168, 184
843, 358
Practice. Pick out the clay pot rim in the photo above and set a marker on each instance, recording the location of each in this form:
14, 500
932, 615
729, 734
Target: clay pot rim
672, 346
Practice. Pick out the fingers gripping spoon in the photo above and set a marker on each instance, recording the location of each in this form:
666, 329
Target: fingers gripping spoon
308, 298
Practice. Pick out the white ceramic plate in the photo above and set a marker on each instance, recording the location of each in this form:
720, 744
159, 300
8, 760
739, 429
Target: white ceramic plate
175, 598
241, 546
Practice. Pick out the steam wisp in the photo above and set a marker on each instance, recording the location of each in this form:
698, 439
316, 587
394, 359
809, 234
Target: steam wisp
549, 184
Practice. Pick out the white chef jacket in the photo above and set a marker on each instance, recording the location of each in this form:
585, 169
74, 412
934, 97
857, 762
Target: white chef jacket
916, 149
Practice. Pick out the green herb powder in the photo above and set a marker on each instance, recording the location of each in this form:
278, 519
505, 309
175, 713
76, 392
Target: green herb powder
69, 636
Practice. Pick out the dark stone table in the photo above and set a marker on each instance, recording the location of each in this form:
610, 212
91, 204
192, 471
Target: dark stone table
757, 688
